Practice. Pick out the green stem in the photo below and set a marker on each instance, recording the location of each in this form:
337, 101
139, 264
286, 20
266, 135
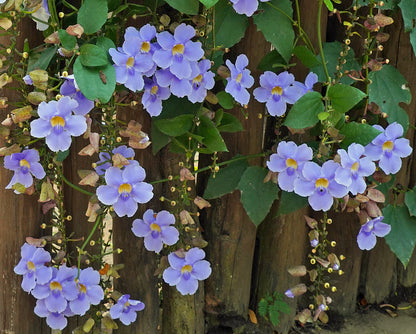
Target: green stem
321, 49
97, 222
83, 191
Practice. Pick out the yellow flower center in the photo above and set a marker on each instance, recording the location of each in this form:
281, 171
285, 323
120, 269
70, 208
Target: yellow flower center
30, 265
145, 47
321, 182
388, 145
355, 166
178, 48
277, 90
291, 163
24, 163
130, 62
82, 288
55, 286
57, 121
239, 77
187, 268
197, 79
155, 227
154, 90
126, 304
125, 187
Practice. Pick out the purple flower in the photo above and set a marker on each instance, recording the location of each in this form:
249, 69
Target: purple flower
354, 168
288, 162
28, 80
178, 51
32, 267
186, 271
71, 89
389, 148
373, 228
105, 159
319, 185
310, 80
289, 293
247, 7
202, 80
153, 96
240, 80
277, 91
314, 243
89, 291
24, 165
57, 124
133, 59
124, 189
125, 309
55, 320
178, 87
59, 291
156, 230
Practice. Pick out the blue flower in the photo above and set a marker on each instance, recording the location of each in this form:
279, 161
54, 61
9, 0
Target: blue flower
55, 320
389, 148
24, 165
354, 168
311, 79
153, 96
32, 267
240, 80
319, 185
277, 91
125, 309
124, 189
59, 291
105, 159
71, 89
203, 79
89, 291
178, 51
247, 7
132, 60
373, 228
185, 271
156, 230
57, 124
178, 87
288, 161
28, 80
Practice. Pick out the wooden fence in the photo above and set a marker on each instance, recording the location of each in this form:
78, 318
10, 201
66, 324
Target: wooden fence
247, 264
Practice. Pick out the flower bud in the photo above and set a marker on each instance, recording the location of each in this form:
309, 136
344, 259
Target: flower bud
36, 97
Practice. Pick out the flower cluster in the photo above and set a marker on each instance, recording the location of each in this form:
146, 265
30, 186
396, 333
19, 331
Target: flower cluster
162, 64
59, 292
322, 183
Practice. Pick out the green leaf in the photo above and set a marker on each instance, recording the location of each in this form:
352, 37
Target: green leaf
271, 62
226, 180
304, 112
257, 197
212, 137
290, 202
276, 26
387, 89
176, 126
408, 10
329, 5
175, 106
105, 44
208, 3
67, 41
92, 15
41, 60
225, 100
357, 133
229, 26
190, 7
306, 56
229, 123
331, 52
410, 201
159, 139
62, 155
92, 55
274, 313
344, 97
95, 82
263, 307
402, 237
